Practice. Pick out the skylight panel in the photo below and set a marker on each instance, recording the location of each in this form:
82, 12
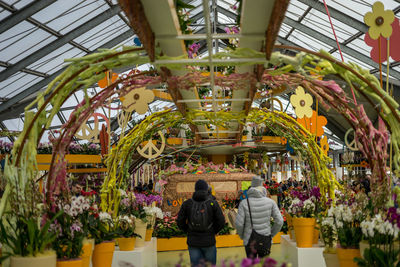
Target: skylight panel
307, 41
17, 83
14, 124
4, 14
18, 4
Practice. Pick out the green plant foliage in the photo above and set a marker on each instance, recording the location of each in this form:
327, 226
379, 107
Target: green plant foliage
376, 257
24, 236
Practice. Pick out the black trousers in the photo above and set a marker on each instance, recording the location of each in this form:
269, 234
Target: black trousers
252, 252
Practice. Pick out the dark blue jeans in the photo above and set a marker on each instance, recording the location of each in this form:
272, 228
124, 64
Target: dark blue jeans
201, 256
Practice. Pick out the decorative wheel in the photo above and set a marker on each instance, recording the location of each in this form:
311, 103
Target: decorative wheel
152, 150
84, 132
351, 144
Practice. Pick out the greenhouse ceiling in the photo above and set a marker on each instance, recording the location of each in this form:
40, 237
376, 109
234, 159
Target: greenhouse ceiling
36, 37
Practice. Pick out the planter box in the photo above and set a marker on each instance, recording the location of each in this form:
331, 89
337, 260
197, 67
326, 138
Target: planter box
175, 141
179, 243
274, 140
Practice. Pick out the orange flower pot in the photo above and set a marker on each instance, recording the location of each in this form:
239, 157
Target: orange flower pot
346, 256
149, 233
103, 254
126, 243
70, 263
316, 235
87, 250
277, 238
304, 231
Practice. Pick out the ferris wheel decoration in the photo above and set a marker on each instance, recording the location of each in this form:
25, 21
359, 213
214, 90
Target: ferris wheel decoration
351, 144
92, 135
151, 147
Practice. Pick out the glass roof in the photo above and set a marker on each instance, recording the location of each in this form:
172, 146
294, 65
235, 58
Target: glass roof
39, 43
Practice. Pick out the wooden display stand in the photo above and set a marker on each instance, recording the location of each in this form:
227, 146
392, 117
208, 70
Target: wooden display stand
179, 243
302, 257
142, 256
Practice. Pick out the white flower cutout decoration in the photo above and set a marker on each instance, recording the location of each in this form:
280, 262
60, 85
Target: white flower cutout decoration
302, 102
137, 100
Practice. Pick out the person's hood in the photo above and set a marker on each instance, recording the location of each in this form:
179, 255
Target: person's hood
257, 193
200, 195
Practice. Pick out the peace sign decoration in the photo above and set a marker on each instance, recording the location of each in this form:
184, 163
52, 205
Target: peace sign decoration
352, 145
149, 146
86, 133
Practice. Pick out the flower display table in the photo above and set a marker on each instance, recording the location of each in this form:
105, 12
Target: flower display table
142, 256
302, 257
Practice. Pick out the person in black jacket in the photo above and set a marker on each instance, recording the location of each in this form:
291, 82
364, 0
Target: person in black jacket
201, 244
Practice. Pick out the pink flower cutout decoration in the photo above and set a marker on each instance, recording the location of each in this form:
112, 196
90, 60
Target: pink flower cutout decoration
394, 39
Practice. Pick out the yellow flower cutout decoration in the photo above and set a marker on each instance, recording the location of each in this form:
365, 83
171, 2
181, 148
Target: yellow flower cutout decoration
138, 100
302, 102
379, 21
324, 145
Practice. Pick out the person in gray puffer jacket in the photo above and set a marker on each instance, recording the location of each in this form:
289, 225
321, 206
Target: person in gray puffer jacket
262, 209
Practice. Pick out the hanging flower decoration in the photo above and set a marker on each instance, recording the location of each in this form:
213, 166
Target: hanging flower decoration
138, 100
193, 49
108, 79
302, 102
394, 52
324, 145
314, 122
379, 21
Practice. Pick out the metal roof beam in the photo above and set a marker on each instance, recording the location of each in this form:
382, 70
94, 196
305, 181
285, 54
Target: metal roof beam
59, 42
22, 14
336, 14
26, 70
43, 83
325, 39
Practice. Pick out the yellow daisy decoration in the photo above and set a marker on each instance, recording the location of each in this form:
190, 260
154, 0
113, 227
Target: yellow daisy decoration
379, 21
324, 145
302, 102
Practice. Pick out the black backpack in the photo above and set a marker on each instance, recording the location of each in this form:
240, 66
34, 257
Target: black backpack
199, 220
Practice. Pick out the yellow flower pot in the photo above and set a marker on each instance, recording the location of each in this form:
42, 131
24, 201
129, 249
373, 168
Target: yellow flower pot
46, 260
103, 254
87, 250
70, 263
277, 238
169, 244
140, 229
149, 233
126, 243
316, 236
346, 256
244, 138
304, 231
175, 141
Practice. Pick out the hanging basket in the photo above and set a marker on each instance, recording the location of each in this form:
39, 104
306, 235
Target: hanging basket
103, 254
346, 256
126, 243
304, 230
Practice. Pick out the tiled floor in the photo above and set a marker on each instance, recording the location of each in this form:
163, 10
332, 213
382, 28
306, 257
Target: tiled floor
171, 258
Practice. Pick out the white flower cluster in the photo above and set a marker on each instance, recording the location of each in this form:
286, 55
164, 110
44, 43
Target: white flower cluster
309, 205
127, 219
77, 207
341, 214
122, 193
104, 217
154, 211
328, 222
378, 226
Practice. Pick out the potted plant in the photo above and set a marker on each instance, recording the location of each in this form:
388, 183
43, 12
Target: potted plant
329, 237
69, 236
244, 135
152, 214
104, 238
303, 218
88, 219
28, 240
125, 229
347, 223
